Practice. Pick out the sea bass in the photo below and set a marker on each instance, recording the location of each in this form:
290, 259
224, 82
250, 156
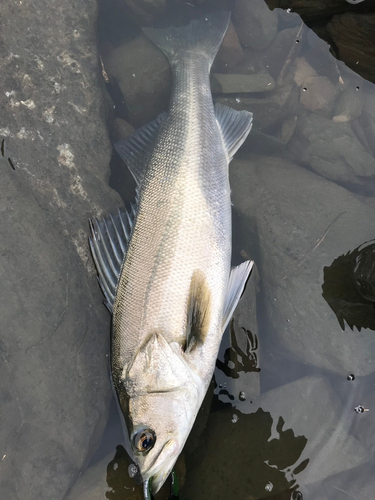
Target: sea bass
165, 266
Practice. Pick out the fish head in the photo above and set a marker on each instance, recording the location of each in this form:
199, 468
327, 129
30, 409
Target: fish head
163, 396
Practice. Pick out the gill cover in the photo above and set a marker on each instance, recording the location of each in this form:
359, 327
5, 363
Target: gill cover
156, 367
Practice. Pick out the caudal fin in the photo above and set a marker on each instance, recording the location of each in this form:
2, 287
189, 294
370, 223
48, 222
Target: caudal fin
202, 36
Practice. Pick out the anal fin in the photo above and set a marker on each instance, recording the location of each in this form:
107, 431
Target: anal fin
235, 126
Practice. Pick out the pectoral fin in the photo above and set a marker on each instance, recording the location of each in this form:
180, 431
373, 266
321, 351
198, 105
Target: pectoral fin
198, 310
237, 281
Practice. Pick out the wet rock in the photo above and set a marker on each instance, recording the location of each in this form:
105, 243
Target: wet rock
287, 129
367, 121
255, 23
354, 37
295, 213
238, 84
283, 49
315, 9
92, 484
303, 405
230, 52
54, 384
332, 150
122, 129
355, 483
271, 110
303, 71
296, 433
318, 94
349, 104
144, 77
143, 11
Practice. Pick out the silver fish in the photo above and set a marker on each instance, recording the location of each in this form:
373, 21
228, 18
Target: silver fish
164, 266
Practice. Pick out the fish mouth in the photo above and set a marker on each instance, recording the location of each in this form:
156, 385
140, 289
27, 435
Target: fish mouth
156, 479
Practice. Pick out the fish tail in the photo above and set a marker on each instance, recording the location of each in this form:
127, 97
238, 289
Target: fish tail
202, 36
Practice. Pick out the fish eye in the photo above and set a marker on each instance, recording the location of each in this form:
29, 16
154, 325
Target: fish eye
144, 440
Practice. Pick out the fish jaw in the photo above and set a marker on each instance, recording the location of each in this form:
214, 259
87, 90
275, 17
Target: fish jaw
160, 395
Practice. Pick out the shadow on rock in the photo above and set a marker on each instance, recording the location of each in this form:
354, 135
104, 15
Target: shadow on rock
348, 287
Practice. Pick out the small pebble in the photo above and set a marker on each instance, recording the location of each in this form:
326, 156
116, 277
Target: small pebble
132, 470
350, 376
360, 409
269, 486
242, 396
234, 419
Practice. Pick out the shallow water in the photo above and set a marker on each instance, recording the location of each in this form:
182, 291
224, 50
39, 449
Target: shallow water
290, 413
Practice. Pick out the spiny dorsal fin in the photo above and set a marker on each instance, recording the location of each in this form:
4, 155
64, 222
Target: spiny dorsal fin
109, 242
234, 125
135, 150
198, 310
236, 284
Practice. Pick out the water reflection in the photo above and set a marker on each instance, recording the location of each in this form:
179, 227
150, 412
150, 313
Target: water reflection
348, 287
237, 360
242, 459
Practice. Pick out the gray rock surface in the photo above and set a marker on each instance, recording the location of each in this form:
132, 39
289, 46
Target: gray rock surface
269, 111
255, 23
332, 150
351, 484
122, 129
311, 409
294, 213
318, 94
92, 484
143, 11
54, 384
241, 84
230, 52
144, 77
349, 105
283, 48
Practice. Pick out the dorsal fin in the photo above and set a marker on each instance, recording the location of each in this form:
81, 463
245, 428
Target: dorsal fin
135, 150
234, 125
236, 284
198, 310
109, 242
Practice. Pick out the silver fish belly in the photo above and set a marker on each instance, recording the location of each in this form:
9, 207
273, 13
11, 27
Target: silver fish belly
165, 268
